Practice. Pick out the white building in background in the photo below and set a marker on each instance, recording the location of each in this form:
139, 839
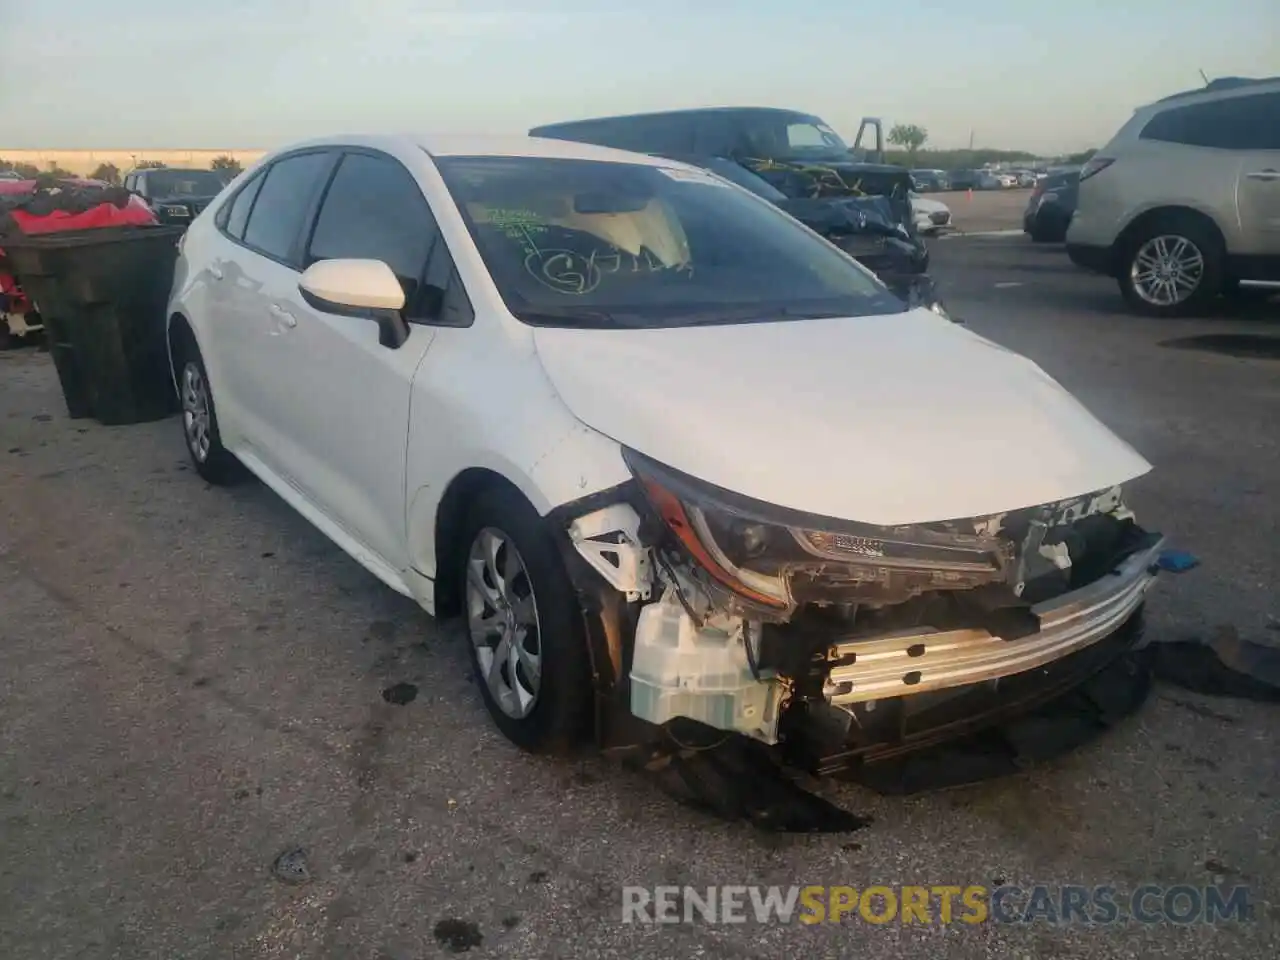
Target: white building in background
84, 162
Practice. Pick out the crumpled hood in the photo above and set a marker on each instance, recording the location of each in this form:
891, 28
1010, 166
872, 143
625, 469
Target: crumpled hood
905, 418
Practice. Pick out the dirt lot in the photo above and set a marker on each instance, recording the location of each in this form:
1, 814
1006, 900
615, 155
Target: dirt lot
191, 682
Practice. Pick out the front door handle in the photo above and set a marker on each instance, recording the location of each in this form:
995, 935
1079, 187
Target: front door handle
1267, 174
284, 316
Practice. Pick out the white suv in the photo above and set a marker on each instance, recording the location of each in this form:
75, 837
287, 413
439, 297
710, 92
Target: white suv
1184, 203
670, 453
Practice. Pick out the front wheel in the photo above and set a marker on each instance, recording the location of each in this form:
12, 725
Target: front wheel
527, 640
1172, 268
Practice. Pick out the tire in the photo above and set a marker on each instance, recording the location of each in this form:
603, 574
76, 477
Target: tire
1173, 229
496, 612
1047, 227
212, 460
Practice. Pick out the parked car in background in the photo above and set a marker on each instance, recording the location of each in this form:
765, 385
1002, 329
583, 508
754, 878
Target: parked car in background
1003, 179
930, 181
1049, 209
974, 180
863, 227
931, 216
1026, 178
597, 404
10, 175
798, 153
176, 195
1184, 203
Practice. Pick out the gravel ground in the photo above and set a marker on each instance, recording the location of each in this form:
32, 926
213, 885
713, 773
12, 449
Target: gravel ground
191, 683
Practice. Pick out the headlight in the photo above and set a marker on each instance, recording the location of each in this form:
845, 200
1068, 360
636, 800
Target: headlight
752, 548
937, 307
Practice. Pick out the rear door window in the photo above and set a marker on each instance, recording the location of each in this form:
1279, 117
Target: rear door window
284, 202
1238, 123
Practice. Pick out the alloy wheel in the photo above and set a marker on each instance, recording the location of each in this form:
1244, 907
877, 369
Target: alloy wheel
502, 618
195, 411
1167, 270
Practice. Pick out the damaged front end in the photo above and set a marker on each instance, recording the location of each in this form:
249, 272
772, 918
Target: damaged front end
872, 231
836, 643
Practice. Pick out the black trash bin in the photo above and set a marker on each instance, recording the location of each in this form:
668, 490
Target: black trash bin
102, 295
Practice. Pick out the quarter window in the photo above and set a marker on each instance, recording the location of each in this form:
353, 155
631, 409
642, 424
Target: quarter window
235, 214
283, 202
1237, 123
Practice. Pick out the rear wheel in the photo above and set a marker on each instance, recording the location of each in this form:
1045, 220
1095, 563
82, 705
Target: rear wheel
527, 641
1172, 267
200, 420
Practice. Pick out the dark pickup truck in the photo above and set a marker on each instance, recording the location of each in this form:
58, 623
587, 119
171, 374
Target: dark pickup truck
796, 161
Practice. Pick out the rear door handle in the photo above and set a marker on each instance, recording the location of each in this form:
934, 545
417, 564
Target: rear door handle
284, 316
1267, 174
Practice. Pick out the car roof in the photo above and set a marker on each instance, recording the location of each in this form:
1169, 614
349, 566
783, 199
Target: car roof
688, 112
1222, 85
483, 145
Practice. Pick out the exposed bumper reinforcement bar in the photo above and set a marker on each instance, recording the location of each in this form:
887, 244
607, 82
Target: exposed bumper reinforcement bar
920, 660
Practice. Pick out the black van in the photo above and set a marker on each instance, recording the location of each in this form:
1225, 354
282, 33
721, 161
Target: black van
796, 161
797, 152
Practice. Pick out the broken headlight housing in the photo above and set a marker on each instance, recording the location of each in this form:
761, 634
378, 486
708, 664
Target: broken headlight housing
753, 549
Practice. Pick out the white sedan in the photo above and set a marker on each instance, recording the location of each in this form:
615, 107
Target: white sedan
930, 216
670, 454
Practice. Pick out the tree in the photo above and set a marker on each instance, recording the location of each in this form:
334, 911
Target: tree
58, 172
106, 171
908, 136
225, 163
27, 171
150, 164
1084, 156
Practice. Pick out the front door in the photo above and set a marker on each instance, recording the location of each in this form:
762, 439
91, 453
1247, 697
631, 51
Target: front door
345, 403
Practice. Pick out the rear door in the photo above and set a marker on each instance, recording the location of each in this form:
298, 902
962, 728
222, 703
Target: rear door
261, 303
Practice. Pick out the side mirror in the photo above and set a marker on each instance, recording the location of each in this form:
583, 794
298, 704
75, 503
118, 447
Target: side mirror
364, 289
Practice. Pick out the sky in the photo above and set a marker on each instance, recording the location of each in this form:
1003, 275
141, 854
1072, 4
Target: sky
245, 74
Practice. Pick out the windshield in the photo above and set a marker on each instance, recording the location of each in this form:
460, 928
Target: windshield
735, 172
793, 135
599, 244
188, 183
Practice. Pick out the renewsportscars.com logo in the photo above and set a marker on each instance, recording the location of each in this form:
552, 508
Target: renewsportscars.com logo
1040, 903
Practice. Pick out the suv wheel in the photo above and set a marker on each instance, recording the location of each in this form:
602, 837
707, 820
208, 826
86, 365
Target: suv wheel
1172, 267
528, 648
